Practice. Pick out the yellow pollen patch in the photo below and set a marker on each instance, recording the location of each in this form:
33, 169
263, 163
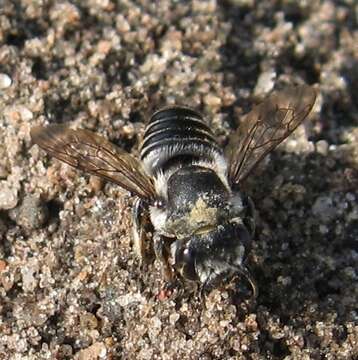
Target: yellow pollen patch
202, 214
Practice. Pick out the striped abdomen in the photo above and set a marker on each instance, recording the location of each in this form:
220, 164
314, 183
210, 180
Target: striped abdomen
175, 137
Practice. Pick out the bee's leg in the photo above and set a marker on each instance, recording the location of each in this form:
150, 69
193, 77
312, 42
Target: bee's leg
162, 255
140, 218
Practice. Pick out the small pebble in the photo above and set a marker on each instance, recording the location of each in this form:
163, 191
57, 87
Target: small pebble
173, 318
94, 352
88, 321
96, 184
8, 196
324, 209
31, 214
65, 351
322, 147
213, 101
5, 81
265, 83
3, 265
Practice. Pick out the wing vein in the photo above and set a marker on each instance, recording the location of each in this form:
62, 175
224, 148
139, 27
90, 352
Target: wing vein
96, 155
266, 126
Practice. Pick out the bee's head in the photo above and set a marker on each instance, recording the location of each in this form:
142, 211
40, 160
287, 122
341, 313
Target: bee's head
212, 256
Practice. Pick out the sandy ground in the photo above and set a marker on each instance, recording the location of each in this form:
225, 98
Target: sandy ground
70, 284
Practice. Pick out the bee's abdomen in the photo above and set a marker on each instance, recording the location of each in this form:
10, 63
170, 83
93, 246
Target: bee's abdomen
176, 136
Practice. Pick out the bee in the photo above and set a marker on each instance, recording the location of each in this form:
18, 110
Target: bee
185, 185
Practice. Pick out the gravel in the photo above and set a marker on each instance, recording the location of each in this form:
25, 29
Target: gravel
70, 284
31, 214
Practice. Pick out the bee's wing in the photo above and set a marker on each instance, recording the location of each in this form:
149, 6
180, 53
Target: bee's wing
266, 126
94, 154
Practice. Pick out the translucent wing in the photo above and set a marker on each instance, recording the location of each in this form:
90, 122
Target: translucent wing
266, 126
94, 154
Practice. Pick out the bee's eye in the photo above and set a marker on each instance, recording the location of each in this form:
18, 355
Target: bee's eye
187, 264
187, 255
183, 255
